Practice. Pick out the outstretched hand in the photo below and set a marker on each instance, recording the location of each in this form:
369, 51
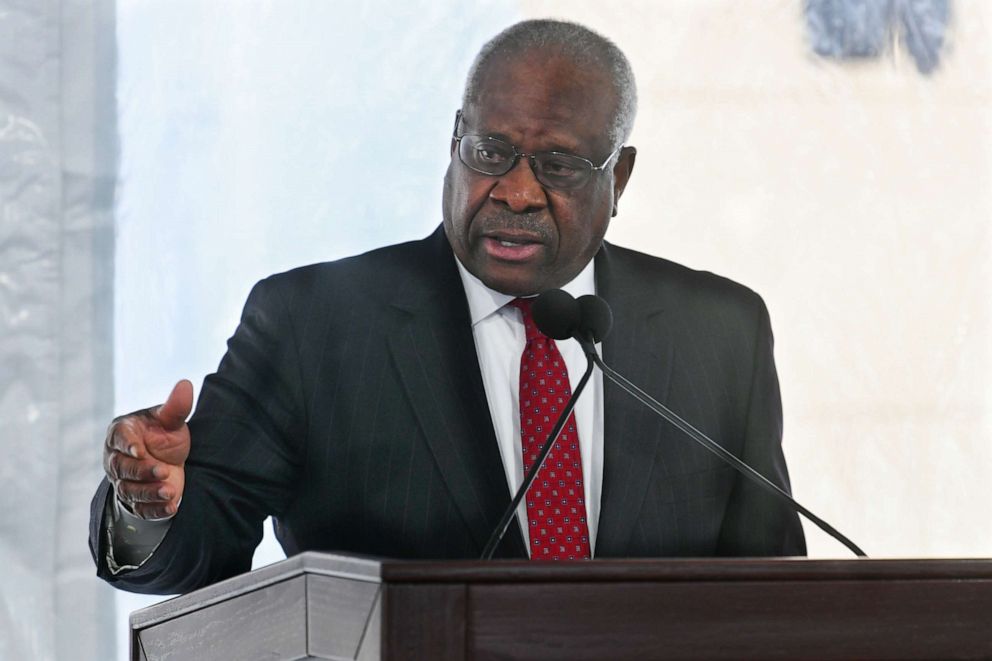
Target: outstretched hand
145, 454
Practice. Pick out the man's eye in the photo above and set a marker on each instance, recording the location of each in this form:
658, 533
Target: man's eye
489, 153
559, 168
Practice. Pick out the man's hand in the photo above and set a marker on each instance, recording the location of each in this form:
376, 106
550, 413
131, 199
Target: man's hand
145, 453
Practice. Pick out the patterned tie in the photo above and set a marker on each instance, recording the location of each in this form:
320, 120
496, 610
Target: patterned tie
556, 506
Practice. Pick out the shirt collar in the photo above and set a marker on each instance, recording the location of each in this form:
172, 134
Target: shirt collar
483, 301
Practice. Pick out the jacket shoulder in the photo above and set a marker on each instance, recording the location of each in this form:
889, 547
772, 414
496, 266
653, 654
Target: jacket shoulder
373, 275
676, 285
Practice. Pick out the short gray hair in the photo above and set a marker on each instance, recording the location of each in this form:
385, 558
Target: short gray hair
573, 41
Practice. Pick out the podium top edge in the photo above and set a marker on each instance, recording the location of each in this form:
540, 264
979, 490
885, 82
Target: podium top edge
359, 568
684, 569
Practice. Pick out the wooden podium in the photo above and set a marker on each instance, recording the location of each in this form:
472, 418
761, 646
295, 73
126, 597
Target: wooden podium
319, 606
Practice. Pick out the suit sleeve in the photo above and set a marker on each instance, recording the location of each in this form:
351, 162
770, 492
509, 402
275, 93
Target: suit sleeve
246, 436
757, 523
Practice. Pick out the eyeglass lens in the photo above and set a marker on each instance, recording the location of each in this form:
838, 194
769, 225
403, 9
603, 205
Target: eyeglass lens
495, 157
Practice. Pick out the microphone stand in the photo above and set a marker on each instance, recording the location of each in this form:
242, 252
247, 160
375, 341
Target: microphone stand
504, 523
709, 444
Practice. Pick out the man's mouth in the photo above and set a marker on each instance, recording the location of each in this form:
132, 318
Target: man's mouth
511, 248
510, 242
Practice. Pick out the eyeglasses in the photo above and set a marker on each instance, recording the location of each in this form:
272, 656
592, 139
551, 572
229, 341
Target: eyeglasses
496, 157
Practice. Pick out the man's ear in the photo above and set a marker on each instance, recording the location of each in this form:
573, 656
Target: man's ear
621, 173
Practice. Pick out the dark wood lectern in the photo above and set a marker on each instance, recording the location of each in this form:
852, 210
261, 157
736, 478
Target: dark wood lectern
317, 606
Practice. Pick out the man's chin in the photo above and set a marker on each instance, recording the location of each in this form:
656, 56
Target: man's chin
513, 281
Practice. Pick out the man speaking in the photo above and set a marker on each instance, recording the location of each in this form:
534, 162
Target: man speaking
389, 404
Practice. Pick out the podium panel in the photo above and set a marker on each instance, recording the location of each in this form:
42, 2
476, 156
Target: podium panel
322, 606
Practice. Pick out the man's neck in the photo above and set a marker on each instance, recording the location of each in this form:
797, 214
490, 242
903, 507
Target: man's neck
483, 301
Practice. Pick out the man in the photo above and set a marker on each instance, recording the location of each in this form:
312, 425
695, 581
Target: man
381, 404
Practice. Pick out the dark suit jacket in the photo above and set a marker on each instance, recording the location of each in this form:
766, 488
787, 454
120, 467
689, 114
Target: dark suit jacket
350, 405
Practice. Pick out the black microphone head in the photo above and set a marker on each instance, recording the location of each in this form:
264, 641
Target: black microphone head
556, 314
596, 317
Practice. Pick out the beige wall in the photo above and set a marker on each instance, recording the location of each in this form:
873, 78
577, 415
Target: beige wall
855, 198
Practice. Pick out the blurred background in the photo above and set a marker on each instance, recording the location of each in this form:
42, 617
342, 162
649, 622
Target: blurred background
158, 157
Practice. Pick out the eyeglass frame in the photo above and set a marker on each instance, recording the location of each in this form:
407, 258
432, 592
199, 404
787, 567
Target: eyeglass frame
517, 155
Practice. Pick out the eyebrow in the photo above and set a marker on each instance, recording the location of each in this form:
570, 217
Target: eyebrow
556, 147
498, 135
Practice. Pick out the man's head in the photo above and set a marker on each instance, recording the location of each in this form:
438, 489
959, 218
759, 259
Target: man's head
539, 86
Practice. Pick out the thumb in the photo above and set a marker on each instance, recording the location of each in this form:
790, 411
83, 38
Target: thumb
173, 413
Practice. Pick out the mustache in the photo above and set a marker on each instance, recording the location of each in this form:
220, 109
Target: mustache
503, 219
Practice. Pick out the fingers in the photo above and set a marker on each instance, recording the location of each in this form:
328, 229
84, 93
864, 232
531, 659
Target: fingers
133, 493
127, 435
120, 466
149, 500
141, 435
152, 510
140, 481
173, 413
148, 485
153, 500
144, 454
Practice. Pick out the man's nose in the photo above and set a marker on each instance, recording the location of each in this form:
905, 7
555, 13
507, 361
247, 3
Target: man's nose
519, 189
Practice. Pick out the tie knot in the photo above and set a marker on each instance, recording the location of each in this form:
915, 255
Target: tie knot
524, 305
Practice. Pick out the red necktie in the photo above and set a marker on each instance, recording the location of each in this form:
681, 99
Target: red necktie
556, 506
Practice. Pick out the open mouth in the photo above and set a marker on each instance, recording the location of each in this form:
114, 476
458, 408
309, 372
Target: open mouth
509, 243
512, 248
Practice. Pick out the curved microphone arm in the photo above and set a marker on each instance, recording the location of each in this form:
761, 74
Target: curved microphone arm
500, 530
712, 446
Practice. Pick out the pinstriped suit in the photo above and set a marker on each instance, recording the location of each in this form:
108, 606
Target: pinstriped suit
350, 405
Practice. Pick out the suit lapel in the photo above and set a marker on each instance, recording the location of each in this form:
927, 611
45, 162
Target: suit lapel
435, 354
640, 349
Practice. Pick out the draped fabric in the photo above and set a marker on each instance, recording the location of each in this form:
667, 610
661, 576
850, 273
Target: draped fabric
57, 169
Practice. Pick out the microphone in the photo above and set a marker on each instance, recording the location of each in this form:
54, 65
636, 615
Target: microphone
595, 318
595, 321
557, 315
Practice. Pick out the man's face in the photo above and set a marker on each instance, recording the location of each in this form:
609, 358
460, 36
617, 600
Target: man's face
514, 234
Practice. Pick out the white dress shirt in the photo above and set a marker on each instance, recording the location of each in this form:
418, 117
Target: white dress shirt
499, 341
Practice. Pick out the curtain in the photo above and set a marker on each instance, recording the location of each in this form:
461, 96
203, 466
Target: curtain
57, 168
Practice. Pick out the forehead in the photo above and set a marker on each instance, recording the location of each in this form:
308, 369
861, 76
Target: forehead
545, 100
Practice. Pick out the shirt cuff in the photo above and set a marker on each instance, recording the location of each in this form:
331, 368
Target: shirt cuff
131, 540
